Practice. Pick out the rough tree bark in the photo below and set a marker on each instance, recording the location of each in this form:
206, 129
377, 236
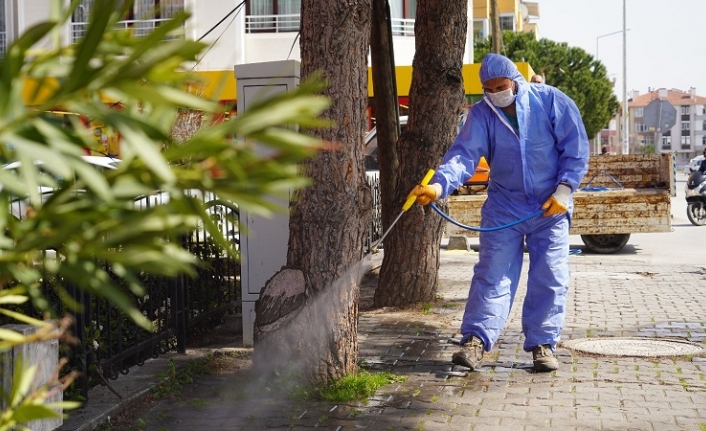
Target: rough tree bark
307, 317
409, 269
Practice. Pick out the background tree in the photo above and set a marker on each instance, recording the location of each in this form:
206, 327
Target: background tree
570, 69
91, 219
307, 315
409, 270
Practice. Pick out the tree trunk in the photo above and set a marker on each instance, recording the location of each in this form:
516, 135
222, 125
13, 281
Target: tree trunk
496, 31
409, 269
307, 316
387, 111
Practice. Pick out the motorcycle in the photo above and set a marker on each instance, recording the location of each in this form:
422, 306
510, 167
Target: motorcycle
696, 198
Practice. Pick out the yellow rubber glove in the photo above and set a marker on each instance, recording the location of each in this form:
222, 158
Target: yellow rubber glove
426, 194
558, 203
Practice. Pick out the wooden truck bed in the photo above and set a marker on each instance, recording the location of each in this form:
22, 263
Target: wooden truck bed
604, 214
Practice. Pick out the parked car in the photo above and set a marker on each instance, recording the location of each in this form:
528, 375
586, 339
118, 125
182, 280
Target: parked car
693, 165
19, 206
225, 217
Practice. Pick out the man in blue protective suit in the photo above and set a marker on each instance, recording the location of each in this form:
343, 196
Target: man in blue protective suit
536, 144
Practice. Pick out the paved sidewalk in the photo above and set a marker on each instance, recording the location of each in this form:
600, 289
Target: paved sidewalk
610, 296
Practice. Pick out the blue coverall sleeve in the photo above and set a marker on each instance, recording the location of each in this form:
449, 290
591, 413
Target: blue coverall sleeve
459, 163
572, 140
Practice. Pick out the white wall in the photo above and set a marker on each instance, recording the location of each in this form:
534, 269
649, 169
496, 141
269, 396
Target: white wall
227, 44
262, 47
25, 15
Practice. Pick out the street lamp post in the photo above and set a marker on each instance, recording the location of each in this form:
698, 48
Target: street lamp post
607, 34
623, 135
626, 132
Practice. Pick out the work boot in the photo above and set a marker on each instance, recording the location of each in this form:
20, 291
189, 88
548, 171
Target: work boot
471, 354
544, 359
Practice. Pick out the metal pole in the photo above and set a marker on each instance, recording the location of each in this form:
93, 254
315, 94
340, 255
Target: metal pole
626, 132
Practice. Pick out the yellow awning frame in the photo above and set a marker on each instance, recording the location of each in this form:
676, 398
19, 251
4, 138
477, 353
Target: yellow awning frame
221, 84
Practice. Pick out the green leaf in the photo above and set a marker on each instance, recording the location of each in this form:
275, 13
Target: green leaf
9, 335
27, 413
21, 382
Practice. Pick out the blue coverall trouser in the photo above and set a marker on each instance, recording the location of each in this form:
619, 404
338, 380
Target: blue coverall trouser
497, 274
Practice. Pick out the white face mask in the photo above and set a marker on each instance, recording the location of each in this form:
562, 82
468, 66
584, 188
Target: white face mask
503, 98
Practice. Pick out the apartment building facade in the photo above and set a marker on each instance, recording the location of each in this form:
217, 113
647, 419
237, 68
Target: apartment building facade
252, 31
686, 138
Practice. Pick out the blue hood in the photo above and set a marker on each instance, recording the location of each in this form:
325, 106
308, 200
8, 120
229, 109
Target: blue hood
498, 66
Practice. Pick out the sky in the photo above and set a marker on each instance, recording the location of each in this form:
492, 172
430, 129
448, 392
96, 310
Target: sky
666, 40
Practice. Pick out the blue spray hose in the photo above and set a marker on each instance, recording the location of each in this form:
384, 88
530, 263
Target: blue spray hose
490, 229
483, 229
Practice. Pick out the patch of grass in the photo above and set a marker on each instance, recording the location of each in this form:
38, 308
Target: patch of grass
702, 427
426, 309
175, 379
199, 402
435, 399
356, 386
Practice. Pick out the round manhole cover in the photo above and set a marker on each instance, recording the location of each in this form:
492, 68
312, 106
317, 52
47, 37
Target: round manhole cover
640, 347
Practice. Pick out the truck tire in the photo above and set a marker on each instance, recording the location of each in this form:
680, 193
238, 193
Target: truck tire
605, 244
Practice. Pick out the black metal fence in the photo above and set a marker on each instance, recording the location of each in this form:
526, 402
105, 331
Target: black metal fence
375, 232
110, 343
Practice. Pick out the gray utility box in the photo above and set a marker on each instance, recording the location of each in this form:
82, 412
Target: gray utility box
264, 240
45, 356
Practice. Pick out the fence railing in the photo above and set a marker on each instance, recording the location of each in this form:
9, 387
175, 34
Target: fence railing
140, 28
375, 231
291, 22
272, 23
402, 27
110, 343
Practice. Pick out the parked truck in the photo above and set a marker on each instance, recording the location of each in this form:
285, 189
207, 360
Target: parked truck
620, 195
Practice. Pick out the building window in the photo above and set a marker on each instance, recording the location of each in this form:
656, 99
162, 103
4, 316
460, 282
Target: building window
507, 22
142, 18
404, 9
639, 112
685, 125
686, 142
685, 110
641, 127
3, 30
272, 16
703, 140
666, 142
403, 14
480, 29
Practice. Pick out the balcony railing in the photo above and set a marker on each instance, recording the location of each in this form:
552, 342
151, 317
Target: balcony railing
272, 23
291, 23
3, 43
402, 27
140, 28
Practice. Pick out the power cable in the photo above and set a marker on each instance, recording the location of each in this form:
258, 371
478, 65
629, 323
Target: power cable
221, 21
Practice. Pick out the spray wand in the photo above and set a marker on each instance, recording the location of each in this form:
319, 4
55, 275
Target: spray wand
407, 205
